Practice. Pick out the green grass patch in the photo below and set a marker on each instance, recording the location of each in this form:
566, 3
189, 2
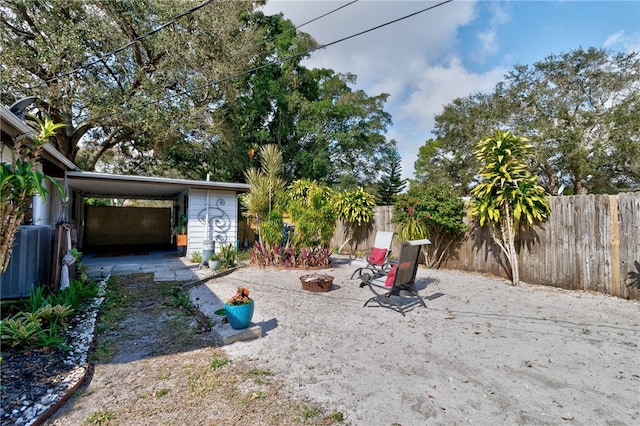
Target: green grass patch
101, 418
337, 416
162, 392
219, 362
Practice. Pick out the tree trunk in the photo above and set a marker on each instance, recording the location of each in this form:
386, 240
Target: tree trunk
350, 233
511, 248
8, 235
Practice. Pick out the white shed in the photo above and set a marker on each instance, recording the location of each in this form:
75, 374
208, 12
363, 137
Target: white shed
212, 209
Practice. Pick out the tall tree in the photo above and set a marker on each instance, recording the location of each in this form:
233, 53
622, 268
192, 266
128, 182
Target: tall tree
391, 182
326, 130
132, 102
508, 196
580, 110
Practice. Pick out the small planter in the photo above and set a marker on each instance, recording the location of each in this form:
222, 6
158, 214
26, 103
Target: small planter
181, 240
317, 283
239, 316
214, 264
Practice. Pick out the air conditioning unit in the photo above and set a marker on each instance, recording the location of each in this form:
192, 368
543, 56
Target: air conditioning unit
30, 263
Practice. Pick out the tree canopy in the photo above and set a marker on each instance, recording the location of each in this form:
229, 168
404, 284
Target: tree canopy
192, 98
138, 100
580, 110
327, 131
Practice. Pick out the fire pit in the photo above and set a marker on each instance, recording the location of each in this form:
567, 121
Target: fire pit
316, 282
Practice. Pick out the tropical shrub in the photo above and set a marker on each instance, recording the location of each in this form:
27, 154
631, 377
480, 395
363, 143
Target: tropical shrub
266, 188
41, 320
228, 256
311, 210
19, 182
287, 257
509, 196
354, 208
271, 228
20, 331
430, 211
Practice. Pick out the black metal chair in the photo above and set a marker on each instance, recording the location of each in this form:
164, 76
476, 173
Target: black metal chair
391, 286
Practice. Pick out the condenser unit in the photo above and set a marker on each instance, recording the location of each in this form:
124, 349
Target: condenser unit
30, 263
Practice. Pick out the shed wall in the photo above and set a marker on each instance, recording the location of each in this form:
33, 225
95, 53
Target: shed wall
221, 223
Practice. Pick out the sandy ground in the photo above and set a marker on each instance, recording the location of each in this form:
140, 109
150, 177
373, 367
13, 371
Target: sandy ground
483, 353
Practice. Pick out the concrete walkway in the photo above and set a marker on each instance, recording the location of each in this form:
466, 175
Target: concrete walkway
165, 265
168, 266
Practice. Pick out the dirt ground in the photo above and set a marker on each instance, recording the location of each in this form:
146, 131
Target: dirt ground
154, 365
482, 353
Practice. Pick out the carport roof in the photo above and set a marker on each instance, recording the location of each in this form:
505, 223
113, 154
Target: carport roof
107, 185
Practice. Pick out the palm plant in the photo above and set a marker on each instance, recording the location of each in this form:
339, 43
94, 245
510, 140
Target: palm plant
508, 195
309, 205
266, 185
19, 182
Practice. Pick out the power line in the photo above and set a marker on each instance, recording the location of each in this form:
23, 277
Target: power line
286, 58
157, 30
312, 20
327, 14
131, 43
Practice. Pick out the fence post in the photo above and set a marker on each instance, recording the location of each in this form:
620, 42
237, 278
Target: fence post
616, 282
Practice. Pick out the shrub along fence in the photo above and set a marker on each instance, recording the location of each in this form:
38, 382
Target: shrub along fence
589, 242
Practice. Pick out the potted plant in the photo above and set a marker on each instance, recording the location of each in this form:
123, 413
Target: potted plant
239, 309
214, 261
180, 232
196, 257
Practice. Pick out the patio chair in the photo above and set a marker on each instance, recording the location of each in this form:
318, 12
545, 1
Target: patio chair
378, 259
398, 283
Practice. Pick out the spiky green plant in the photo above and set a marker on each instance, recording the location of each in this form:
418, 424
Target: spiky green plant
508, 195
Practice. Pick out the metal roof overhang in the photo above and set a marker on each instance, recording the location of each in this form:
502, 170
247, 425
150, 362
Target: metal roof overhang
105, 185
14, 127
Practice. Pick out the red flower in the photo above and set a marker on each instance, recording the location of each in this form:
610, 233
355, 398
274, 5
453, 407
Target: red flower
240, 298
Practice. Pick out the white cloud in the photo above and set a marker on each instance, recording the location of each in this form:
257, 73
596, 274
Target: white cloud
488, 38
437, 87
620, 39
614, 39
488, 43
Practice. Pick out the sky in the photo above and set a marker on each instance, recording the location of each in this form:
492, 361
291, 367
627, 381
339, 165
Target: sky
451, 51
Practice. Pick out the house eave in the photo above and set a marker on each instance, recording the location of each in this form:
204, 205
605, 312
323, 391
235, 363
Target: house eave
93, 184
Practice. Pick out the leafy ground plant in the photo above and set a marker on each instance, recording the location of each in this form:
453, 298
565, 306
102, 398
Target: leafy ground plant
41, 320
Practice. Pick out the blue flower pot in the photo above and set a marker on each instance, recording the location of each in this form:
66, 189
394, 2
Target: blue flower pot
239, 316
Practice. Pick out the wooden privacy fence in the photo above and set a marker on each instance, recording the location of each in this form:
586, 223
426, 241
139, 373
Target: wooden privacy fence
589, 242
